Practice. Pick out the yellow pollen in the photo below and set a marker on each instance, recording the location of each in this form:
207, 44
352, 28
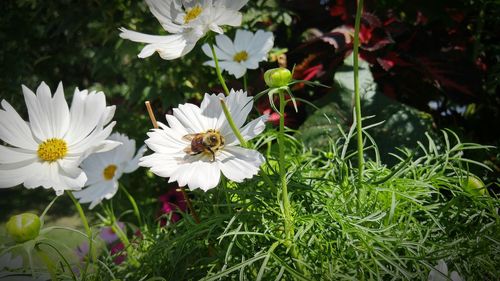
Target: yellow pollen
241, 56
109, 172
192, 13
52, 150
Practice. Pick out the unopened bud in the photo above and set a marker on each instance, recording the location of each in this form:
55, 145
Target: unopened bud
475, 186
277, 77
23, 227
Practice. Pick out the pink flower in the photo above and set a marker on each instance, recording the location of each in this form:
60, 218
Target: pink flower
118, 253
172, 203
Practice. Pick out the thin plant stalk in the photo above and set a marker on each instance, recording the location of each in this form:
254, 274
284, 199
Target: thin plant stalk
236, 131
190, 206
126, 243
219, 73
88, 231
356, 91
186, 197
133, 203
232, 124
289, 229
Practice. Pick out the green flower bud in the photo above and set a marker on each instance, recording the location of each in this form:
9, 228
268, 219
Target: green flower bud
474, 186
277, 77
23, 227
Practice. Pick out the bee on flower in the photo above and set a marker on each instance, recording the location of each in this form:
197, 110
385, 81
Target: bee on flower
198, 143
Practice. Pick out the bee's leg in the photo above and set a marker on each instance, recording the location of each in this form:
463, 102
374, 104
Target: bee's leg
212, 152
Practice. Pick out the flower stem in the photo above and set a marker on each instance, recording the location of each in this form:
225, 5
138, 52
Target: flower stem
134, 204
356, 91
190, 206
88, 231
231, 123
219, 73
289, 229
48, 263
126, 243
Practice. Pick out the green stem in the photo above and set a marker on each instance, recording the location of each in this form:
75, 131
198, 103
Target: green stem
356, 91
134, 204
126, 243
235, 129
48, 263
289, 229
219, 73
284, 189
88, 231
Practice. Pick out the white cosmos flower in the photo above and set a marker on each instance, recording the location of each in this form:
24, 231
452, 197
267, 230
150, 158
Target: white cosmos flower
47, 150
104, 169
175, 155
187, 21
440, 273
244, 53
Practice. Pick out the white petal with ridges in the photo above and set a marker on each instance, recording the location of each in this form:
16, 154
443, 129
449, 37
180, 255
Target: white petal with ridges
238, 163
14, 130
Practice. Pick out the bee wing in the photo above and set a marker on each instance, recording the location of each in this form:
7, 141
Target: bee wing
188, 150
189, 137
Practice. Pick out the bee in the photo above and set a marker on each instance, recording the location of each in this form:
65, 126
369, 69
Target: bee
208, 142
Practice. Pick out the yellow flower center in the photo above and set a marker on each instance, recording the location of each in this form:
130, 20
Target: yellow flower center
109, 172
192, 14
52, 150
241, 56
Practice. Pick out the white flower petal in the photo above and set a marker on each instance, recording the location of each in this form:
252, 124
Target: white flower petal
225, 44
190, 117
439, 272
9, 155
165, 12
239, 105
250, 130
242, 40
221, 55
60, 112
16, 176
211, 108
87, 110
198, 174
95, 193
37, 115
238, 163
455, 277
261, 44
133, 164
233, 68
235, 4
14, 130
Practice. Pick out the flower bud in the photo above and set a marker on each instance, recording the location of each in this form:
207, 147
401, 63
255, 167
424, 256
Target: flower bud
23, 227
277, 77
474, 186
